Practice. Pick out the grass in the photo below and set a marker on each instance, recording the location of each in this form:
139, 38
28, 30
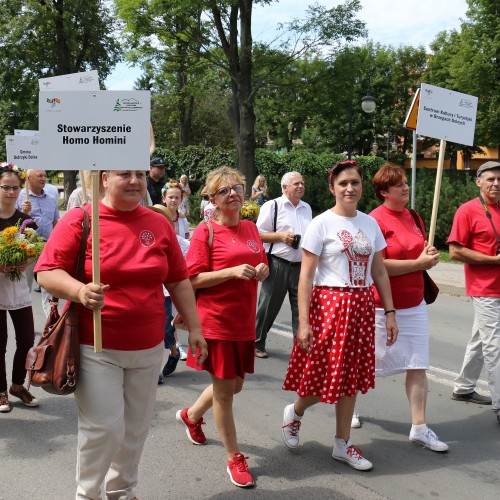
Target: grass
444, 256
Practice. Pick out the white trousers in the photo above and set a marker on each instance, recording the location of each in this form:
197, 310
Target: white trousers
483, 349
115, 397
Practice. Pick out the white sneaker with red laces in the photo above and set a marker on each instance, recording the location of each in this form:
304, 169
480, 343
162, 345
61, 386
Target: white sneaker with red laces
350, 454
291, 427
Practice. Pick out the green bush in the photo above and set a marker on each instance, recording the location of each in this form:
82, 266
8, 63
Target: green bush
196, 161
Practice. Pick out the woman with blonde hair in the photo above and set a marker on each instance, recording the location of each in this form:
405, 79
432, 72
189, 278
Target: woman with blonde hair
226, 254
259, 190
186, 193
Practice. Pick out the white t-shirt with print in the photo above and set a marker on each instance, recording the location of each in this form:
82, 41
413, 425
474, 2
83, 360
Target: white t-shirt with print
345, 246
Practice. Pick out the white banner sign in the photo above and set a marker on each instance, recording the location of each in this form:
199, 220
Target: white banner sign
446, 114
88, 80
100, 130
25, 132
22, 150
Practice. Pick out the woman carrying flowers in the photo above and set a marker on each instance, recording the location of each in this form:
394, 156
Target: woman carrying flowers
14, 293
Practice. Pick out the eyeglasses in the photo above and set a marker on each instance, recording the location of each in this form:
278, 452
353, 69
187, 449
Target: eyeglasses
237, 188
8, 189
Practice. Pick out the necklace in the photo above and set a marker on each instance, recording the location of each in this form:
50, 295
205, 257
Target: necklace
233, 238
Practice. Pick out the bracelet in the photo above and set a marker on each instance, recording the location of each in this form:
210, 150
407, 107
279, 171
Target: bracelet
389, 311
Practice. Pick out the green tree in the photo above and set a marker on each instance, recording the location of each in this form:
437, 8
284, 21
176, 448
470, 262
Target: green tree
469, 61
222, 36
48, 38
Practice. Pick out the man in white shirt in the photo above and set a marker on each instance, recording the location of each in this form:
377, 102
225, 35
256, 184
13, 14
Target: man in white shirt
282, 243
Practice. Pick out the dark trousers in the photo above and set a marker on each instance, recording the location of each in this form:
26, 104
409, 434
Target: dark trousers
283, 278
24, 329
169, 328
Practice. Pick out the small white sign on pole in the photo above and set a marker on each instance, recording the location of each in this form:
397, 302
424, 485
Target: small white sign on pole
23, 150
82, 130
25, 132
446, 114
87, 80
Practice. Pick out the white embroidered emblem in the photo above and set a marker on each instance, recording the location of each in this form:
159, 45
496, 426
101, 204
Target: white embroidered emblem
147, 238
253, 246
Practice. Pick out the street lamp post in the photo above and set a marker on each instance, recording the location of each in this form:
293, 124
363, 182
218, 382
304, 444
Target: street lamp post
368, 105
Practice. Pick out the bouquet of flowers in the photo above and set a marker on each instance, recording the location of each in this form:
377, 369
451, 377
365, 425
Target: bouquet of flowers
19, 245
250, 211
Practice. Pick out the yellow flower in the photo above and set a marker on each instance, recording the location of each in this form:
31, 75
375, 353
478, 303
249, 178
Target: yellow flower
9, 232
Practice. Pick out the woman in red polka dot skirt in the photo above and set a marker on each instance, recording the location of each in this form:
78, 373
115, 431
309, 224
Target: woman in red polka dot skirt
334, 352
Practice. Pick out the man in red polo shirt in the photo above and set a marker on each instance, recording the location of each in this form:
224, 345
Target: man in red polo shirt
475, 240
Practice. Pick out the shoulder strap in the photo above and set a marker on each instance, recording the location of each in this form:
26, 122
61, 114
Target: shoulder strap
416, 218
275, 221
210, 234
488, 214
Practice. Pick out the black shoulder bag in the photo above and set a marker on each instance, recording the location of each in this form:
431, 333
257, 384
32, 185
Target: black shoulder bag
431, 290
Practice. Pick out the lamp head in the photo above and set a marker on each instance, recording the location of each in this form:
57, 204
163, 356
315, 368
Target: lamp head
368, 104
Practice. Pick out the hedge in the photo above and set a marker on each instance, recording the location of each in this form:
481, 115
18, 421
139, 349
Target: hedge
196, 161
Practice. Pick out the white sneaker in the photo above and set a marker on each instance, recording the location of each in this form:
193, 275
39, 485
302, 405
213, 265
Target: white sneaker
291, 427
182, 352
355, 422
428, 439
346, 452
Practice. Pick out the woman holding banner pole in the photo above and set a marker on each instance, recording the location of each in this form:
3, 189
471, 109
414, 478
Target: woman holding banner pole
117, 387
406, 256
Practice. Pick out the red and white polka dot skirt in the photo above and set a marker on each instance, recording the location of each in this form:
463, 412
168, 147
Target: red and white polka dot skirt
341, 361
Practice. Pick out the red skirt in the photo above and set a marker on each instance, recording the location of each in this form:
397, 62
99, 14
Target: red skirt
227, 359
341, 360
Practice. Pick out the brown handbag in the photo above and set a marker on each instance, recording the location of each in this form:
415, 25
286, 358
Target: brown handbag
431, 290
53, 363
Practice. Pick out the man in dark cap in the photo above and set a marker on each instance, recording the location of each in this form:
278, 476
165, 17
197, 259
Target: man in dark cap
475, 240
155, 179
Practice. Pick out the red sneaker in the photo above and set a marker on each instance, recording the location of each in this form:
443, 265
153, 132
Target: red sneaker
194, 431
238, 471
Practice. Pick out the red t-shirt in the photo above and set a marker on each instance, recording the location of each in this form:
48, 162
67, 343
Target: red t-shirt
472, 229
227, 310
139, 253
405, 241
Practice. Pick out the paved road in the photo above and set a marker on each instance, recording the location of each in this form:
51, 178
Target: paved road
37, 447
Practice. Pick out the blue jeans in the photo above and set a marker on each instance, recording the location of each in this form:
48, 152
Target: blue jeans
169, 328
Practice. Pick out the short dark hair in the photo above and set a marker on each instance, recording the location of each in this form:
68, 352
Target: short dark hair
339, 167
388, 175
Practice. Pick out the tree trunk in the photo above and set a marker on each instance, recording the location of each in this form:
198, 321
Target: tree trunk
246, 137
69, 184
240, 68
453, 159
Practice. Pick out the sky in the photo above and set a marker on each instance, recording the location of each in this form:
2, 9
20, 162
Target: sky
389, 22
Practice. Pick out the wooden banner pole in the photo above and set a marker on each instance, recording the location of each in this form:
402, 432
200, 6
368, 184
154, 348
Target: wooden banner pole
27, 189
96, 262
437, 189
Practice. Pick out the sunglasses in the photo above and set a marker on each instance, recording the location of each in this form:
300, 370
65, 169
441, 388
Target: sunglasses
340, 166
237, 188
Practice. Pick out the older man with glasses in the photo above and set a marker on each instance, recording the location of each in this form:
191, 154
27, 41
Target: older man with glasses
281, 224
45, 212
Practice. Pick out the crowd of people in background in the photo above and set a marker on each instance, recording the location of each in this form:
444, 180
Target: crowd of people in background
354, 282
